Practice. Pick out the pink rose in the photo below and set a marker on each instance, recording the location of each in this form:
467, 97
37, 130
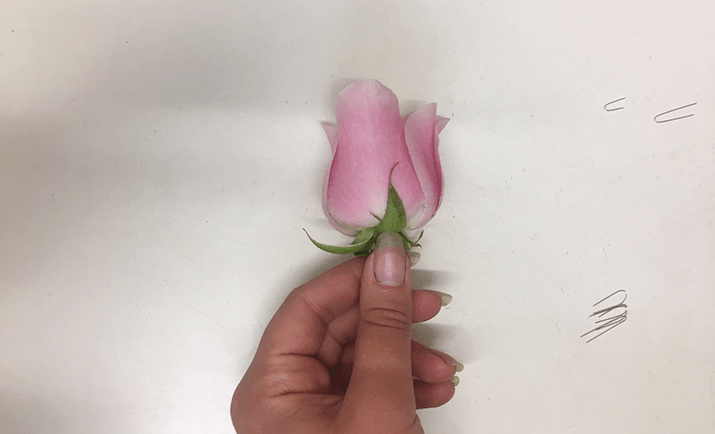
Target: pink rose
374, 150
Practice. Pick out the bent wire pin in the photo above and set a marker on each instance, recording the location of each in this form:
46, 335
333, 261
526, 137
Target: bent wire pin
671, 111
613, 102
610, 322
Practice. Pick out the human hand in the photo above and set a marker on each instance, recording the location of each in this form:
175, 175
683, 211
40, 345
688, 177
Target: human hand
337, 356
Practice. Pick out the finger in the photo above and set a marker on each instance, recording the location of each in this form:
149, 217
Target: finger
428, 395
426, 304
382, 374
428, 365
340, 332
340, 374
432, 366
299, 325
343, 329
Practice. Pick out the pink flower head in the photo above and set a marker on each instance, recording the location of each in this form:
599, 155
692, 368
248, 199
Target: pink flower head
371, 140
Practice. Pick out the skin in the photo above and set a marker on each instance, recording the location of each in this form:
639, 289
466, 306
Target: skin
337, 357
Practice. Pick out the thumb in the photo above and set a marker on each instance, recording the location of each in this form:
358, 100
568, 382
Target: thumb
382, 370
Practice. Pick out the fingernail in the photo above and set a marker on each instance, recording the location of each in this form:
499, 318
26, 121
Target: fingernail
390, 260
414, 258
455, 381
447, 359
446, 298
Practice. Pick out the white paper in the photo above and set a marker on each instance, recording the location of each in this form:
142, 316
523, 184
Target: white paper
158, 161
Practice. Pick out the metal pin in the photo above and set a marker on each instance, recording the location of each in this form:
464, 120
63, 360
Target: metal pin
609, 323
622, 301
670, 111
612, 102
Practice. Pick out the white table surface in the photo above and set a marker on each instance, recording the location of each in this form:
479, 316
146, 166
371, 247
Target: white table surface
158, 160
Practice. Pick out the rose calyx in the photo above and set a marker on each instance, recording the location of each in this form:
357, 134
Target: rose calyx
394, 220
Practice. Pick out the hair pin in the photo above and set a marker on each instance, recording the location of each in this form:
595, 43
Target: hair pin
613, 102
671, 111
607, 324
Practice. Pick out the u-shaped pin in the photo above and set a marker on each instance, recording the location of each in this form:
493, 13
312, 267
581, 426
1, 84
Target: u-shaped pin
671, 111
605, 324
613, 102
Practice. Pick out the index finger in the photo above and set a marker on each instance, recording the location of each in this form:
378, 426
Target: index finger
300, 324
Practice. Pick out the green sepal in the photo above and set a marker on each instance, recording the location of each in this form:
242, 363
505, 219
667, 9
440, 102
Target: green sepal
355, 248
364, 235
364, 243
419, 238
367, 250
395, 219
408, 242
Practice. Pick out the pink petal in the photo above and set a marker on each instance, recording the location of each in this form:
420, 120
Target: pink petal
441, 123
421, 134
370, 142
332, 132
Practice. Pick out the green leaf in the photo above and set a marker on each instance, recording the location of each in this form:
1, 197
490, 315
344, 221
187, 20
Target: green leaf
395, 219
337, 249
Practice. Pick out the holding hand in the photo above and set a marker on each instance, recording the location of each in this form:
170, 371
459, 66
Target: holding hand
337, 356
